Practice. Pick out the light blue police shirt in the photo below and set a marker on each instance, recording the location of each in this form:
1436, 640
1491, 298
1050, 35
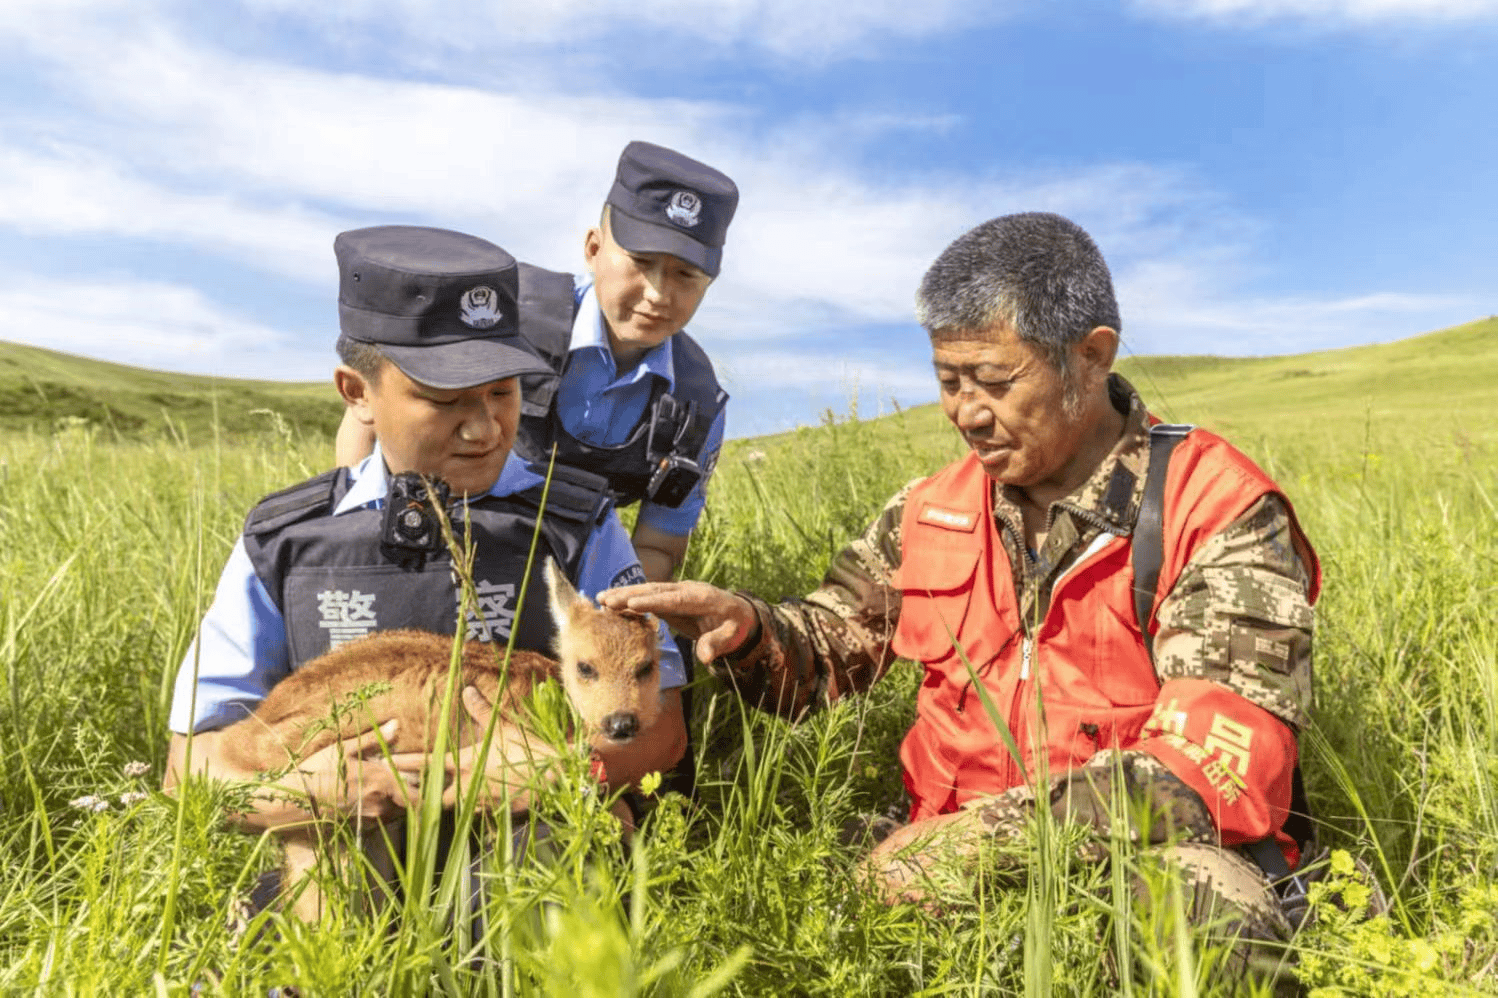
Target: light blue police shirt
599, 406
241, 652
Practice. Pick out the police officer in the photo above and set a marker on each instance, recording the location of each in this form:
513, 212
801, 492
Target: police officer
629, 394
431, 365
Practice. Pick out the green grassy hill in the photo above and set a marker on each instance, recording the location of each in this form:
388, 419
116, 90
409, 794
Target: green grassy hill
41, 390
1441, 383
1440, 388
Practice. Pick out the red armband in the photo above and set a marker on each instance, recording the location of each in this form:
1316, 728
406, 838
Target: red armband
1239, 757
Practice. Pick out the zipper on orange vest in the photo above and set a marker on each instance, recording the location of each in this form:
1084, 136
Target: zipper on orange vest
1020, 732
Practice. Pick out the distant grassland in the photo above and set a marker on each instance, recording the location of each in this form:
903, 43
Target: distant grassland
1433, 391
1438, 387
43, 389
112, 537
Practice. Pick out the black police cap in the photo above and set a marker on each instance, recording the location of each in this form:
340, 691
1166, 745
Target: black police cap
440, 304
664, 202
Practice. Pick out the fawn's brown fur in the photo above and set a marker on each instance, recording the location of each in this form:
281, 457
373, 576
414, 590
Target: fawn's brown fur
609, 664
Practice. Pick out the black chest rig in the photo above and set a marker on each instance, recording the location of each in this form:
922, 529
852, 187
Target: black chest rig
659, 459
334, 582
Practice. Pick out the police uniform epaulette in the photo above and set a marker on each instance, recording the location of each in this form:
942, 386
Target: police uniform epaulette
574, 494
310, 498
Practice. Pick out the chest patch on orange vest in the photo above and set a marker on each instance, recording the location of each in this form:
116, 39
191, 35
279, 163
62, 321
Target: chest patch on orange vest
950, 519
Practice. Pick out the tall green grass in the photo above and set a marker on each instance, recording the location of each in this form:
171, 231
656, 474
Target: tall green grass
110, 551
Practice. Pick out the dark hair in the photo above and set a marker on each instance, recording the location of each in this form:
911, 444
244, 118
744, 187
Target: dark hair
1038, 273
366, 358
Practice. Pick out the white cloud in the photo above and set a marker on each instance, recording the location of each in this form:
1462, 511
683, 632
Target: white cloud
259, 160
816, 245
796, 29
1172, 306
155, 325
527, 170
27, 16
74, 191
1325, 11
504, 32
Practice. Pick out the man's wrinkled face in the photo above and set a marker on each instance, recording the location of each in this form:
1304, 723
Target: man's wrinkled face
460, 435
1010, 405
645, 297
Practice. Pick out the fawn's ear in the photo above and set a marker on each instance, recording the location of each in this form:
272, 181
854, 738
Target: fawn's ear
646, 618
564, 597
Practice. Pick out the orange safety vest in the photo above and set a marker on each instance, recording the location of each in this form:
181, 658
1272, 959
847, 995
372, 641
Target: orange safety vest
1086, 662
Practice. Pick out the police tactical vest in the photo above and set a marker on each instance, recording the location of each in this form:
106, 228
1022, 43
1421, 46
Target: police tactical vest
674, 424
333, 583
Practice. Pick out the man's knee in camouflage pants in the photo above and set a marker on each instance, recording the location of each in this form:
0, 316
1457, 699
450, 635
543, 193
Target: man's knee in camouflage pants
1129, 795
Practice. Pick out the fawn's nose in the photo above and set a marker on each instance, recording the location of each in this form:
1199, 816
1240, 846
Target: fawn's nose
621, 726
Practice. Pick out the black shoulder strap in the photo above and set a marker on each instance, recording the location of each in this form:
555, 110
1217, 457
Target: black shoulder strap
297, 503
699, 399
1148, 553
1148, 545
574, 494
1290, 887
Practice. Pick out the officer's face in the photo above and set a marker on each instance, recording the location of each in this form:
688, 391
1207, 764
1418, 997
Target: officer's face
462, 435
644, 297
1011, 408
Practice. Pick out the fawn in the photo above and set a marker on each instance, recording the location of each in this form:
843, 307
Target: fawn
609, 664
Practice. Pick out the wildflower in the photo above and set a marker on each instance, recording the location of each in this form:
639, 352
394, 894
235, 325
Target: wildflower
137, 768
89, 802
132, 797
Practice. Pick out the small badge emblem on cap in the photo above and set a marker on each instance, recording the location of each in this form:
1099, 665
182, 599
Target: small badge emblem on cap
480, 308
684, 209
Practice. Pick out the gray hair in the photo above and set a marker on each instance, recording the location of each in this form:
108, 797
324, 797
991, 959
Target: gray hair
1037, 273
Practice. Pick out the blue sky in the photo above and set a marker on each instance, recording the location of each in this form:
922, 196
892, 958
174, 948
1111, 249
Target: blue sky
1264, 176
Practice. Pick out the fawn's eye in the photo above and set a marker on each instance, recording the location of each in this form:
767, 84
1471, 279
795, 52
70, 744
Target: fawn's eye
586, 671
644, 671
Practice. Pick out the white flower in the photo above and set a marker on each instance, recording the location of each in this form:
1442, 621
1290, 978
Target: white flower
137, 768
132, 797
89, 802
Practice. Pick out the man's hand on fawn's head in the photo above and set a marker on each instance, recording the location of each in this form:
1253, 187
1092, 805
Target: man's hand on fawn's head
721, 621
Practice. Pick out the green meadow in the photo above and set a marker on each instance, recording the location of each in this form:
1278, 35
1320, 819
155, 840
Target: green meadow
121, 492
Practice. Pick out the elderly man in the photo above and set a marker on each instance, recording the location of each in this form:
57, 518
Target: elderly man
1012, 569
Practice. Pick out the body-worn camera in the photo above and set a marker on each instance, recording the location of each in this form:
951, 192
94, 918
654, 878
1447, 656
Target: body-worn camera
673, 479
674, 475
412, 529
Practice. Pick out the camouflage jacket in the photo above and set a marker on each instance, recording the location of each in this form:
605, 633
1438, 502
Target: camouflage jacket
837, 640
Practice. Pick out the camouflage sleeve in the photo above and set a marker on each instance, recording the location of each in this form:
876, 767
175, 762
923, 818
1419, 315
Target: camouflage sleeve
1239, 615
837, 640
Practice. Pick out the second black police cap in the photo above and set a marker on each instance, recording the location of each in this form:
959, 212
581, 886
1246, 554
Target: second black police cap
441, 305
664, 202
